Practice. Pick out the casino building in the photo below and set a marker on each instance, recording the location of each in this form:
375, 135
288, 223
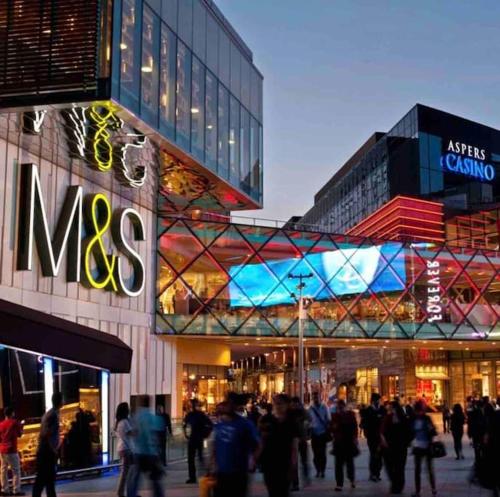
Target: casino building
428, 154
113, 114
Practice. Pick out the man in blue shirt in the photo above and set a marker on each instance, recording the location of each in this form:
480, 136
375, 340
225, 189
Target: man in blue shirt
320, 433
236, 445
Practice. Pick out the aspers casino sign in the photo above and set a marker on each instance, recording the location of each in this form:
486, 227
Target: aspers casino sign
82, 232
468, 160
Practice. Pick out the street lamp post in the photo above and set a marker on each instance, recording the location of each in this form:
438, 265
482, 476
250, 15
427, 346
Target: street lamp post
300, 287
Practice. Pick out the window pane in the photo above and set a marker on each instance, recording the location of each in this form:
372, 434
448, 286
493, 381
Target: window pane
234, 141
169, 10
224, 51
199, 30
185, 28
149, 66
245, 150
130, 57
223, 147
261, 161
254, 92
167, 82
212, 43
197, 110
245, 82
254, 158
235, 71
183, 113
211, 121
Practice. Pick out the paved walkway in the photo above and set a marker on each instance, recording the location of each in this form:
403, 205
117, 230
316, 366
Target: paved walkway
451, 475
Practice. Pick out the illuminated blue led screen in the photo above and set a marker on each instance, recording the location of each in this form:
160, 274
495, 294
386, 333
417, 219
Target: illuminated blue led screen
340, 272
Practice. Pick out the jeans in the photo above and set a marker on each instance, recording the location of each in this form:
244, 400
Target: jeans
231, 485
303, 461
419, 456
395, 462
277, 482
45, 473
11, 461
375, 457
151, 465
318, 443
457, 442
343, 458
194, 446
126, 460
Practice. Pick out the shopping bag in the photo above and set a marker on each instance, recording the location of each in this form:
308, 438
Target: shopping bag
207, 485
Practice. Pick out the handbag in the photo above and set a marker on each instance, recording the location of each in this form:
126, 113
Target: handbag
207, 485
437, 449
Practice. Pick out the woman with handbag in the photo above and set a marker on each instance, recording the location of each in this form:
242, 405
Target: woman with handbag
344, 429
423, 431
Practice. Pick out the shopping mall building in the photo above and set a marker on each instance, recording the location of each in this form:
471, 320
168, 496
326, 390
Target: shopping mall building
112, 113
130, 131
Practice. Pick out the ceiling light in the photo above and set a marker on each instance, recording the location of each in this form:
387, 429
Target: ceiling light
146, 69
195, 110
123, 46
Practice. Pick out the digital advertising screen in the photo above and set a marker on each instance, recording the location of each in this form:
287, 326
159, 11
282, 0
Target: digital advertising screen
347, 271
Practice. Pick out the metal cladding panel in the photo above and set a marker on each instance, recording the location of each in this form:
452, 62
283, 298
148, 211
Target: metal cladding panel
47, 46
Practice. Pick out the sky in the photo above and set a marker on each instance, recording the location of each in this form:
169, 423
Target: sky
335, 71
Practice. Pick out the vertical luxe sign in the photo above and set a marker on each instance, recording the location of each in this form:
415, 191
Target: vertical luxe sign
88, 260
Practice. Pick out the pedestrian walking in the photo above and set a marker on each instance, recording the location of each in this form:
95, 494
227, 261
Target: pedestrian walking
446, 418
457, 421
395, 438
145, 426
279, 448
371, 422
476, 428
320, 434
344, 428
48, 450
10, 430
423, 432
302, 420
123, 431
164, 433
197, 426
235, 449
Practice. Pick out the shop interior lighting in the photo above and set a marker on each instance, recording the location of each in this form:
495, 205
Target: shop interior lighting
48, 381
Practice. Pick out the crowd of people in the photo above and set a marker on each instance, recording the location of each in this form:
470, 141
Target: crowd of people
274, 438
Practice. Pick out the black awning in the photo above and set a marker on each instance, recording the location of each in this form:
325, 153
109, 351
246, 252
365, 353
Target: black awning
35, 331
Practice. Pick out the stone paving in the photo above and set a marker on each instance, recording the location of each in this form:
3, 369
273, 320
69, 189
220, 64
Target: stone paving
451, 475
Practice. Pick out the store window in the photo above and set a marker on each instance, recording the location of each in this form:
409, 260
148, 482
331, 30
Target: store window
223, 132
183, 103
234, 141
198, 110
130, 55
149, 66
208, 384
366, 384
211, 121
168, 56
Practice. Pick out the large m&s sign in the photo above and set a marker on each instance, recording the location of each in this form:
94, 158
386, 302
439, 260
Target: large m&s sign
461, 158
88, 259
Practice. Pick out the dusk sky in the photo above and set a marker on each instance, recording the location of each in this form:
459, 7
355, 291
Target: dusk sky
337, 70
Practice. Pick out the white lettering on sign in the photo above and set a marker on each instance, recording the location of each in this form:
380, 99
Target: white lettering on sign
434, 306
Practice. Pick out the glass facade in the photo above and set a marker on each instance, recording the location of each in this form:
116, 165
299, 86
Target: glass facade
184, 58
221, 279
428, 154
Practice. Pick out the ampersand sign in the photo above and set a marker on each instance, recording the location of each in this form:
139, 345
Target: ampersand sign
97, 212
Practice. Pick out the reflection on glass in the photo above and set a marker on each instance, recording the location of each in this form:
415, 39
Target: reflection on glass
211, 121
223, 128
254, 157
245, 150
167, 81
149, 66
198, 110
129, 69
234, 141
183, 112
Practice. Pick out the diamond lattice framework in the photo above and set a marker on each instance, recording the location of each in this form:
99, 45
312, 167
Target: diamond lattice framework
217, 278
